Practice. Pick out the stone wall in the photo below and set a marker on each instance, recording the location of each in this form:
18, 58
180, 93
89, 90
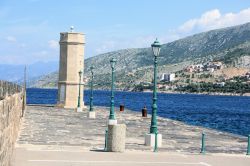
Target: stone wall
8, 89
11, 103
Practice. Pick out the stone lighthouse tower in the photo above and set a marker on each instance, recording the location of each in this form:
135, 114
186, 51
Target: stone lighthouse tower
71, 70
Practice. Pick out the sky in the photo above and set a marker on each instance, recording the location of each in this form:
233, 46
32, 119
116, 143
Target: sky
30, 29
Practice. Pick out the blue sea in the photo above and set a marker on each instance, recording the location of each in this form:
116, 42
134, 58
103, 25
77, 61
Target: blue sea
224, 113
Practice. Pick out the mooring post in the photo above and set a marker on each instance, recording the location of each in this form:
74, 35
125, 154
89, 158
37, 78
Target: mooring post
248, 145
121, 107
203, 149
106, 140
156, 146
144, 111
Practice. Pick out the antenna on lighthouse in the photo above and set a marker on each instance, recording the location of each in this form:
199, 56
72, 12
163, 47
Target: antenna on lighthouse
72, 29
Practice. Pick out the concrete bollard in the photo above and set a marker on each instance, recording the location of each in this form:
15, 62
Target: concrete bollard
121, 108
144, 112
116, 138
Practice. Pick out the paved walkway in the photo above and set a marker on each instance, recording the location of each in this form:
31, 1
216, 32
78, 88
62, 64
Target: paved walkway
53, 136
76, 156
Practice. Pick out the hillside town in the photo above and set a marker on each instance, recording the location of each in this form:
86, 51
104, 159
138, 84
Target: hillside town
209, 66
209, 77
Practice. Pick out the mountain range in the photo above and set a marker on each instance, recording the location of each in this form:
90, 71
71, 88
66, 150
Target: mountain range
15, 73
230, 45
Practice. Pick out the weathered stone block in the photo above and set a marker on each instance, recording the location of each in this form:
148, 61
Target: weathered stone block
116, 138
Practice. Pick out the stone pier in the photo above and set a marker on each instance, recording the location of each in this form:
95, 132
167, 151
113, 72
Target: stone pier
58, 137
55, 127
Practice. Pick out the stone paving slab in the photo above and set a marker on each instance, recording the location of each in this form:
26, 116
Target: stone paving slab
54, 127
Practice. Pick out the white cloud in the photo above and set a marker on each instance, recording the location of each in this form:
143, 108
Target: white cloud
209, 20
11, 39
213, 19
53, 44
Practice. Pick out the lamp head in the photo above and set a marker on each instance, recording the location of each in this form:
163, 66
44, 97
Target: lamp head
80, 73
112, 62
156, 47
92, 68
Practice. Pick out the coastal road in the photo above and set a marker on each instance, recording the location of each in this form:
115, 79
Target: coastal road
76, 156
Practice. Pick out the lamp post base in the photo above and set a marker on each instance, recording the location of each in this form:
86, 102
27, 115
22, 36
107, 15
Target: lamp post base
112, 122
150, 140
79, 109
91, 114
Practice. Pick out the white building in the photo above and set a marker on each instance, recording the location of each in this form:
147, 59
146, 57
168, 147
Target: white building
168, 77
221, 84
211, 70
